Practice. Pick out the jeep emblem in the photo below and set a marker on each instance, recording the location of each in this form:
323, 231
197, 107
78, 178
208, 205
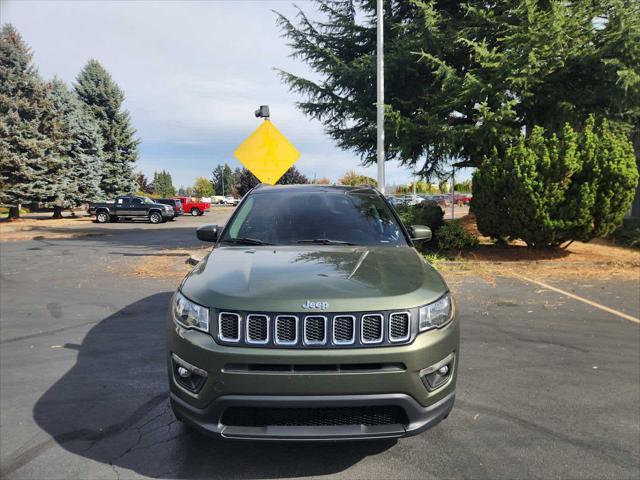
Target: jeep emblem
318, 305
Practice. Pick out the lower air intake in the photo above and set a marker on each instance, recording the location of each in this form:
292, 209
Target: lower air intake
314, 417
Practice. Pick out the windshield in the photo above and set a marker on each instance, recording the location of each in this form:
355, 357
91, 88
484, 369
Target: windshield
328, 217
147, 200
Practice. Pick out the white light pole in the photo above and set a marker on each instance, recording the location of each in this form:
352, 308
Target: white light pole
380, 96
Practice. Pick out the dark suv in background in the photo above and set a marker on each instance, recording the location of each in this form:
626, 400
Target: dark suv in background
312, 318
175, 203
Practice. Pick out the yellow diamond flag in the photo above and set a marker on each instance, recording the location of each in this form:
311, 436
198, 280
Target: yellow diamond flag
267, 153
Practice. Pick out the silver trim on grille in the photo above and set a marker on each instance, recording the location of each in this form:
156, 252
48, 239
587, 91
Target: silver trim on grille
353, 336
277, 341
248, 338
229, 339
304, 335
377, 340
406, 337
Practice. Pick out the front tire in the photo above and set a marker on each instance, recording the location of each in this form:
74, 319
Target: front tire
155, 217
102, 217
195, 212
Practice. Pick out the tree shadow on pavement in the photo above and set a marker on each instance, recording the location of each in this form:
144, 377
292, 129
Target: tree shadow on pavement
112, 407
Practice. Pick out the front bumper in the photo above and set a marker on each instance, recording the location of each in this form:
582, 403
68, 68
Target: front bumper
207, 420
227, 386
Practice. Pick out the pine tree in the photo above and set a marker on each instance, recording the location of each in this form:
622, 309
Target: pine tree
28, 167
104, 98
223, 180
464, 77
78, 144
143, 184
163, 184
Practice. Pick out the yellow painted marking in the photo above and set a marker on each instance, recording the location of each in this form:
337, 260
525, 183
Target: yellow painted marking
604, 308
267, 153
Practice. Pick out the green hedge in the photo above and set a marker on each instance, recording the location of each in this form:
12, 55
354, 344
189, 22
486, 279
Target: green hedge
453, 236
547, 190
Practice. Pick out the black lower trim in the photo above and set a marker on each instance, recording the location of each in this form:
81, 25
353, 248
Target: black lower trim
417, 419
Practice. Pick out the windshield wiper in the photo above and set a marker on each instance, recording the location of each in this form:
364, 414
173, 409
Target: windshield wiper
324, 241
245, 241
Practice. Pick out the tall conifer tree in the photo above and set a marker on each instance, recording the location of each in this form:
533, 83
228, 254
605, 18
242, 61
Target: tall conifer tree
104, 98
78, 144
28, 165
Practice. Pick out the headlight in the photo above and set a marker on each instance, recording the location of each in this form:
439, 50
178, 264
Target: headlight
189, 314
436, 314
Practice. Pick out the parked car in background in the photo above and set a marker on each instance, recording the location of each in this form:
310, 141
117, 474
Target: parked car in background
218, 199
229, 200
462, 198
194, 208
129, 207
405, 200
175, 203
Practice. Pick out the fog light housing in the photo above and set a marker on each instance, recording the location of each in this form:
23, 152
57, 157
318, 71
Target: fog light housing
438, 374
187, 376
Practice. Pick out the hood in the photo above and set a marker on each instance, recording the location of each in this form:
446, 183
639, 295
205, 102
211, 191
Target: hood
283, 278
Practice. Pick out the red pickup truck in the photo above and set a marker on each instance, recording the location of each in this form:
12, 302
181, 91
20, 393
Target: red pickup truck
194, 208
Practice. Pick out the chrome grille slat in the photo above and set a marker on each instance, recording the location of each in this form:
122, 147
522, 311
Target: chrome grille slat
372, 329
344, 329
257, 329
315, 330
399, 326
229, 327
286, 330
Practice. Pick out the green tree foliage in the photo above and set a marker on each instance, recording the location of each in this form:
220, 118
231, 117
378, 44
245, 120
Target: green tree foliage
203, 188
144, 187
223, 180
247, 180
547, 190
424, 213
104, 98
78, 144
464, 77
28, 164
463, 187
351, 177
163, 184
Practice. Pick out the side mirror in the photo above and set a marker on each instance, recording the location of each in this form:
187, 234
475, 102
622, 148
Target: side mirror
420, 233
207, 233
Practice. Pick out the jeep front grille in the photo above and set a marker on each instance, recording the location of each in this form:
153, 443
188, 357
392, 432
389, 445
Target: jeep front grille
344, 329
257, 328
315, 330
372, 331
327, 330
399, 326
229, 327
286, 330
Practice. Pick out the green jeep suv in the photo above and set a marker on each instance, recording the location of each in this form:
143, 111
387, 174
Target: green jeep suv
312, 318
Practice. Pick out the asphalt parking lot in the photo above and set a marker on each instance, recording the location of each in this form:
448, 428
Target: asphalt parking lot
549, 387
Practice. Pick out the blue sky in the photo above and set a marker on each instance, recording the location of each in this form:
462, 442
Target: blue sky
193, 73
